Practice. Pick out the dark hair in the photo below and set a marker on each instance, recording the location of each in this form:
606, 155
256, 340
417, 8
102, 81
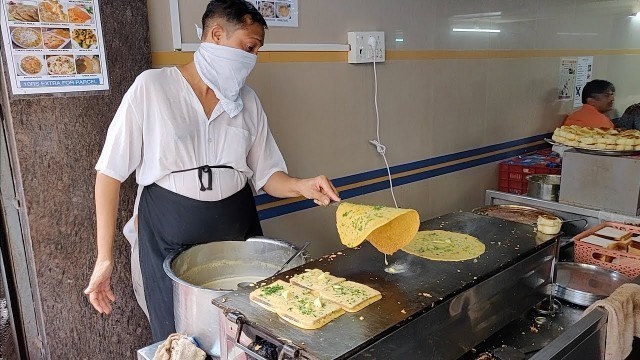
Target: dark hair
236, 12
631, 118
596, 87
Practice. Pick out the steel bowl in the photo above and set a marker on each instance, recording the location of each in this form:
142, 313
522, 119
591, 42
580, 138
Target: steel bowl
584, 284
204, 272
545, 187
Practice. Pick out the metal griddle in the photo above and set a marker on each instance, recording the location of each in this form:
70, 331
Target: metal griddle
450, 284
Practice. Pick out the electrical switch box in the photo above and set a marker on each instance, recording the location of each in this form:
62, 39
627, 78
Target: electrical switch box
366, 46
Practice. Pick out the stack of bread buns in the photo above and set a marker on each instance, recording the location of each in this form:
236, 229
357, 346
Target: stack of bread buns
549, 225
597, 138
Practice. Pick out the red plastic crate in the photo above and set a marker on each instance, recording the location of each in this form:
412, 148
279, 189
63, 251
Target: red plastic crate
520, 172
513, 172
516, 191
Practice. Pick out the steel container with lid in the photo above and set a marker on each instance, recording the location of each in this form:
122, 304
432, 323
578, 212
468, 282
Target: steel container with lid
545, 187
204, 272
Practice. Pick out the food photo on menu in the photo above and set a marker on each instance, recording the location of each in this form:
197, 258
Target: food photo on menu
26, 37
275, 9
56, 38
88, 64
52, 11
30, 65
26, 11
60, 65
267, 9
80, 14
283, 10
84, 38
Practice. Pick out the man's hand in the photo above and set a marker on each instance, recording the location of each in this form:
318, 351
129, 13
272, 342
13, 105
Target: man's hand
99, 289
319, 188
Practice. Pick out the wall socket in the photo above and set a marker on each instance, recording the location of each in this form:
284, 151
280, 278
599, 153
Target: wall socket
360, 52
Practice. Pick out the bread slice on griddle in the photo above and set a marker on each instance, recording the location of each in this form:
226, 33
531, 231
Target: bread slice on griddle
351, 296
315, 279
276, 295
309, 312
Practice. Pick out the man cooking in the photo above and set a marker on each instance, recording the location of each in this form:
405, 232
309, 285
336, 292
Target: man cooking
597, 99
195, 135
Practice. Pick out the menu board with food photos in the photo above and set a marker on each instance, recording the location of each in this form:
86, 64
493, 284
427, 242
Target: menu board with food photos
278, 12
53, 46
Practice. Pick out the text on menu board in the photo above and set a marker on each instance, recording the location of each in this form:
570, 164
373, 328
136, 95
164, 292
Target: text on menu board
54, 46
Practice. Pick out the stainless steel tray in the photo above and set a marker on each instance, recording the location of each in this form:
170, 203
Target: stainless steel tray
516, 213
608, 152
597, 151
583, 284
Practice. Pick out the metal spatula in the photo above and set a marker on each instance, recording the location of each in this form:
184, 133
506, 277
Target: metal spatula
246, 284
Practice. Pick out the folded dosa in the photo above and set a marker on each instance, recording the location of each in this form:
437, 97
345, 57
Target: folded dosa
388, 229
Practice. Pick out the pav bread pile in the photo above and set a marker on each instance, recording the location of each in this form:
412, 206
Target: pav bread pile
549, 225
597, 138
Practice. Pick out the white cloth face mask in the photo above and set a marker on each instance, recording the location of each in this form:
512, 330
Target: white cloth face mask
224, 69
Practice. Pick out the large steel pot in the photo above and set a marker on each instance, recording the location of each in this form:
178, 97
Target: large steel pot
545, 187
204, 272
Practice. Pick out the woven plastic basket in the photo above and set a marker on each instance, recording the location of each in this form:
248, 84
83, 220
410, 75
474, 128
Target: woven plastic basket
620, 261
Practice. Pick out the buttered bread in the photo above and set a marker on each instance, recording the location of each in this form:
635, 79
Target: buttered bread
351, 296
275, 296
309, 312
315, 279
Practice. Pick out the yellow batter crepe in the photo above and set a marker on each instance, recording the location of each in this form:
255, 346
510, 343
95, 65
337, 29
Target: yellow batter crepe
388, 229
445, 246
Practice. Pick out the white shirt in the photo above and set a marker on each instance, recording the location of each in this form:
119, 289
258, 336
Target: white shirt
161, 127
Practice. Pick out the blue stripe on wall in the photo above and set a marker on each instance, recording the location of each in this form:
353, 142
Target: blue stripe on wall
370, 188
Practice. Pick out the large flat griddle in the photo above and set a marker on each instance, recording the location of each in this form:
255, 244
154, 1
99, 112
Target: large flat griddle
403, 296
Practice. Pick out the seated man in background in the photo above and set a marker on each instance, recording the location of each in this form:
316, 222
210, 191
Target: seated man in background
597, 99
630, 119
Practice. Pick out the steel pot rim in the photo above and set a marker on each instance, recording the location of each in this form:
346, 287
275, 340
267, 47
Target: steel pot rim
166, 264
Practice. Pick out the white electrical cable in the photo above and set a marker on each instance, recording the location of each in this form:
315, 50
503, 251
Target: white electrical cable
381, 149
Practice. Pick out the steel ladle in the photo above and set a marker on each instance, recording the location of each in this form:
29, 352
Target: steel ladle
246, 284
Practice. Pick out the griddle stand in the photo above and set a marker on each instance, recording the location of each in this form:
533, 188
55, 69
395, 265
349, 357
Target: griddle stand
287, 351
470, 302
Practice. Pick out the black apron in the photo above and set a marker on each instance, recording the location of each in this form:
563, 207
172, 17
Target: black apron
168, 221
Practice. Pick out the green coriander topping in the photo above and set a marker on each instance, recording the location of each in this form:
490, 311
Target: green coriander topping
273, 289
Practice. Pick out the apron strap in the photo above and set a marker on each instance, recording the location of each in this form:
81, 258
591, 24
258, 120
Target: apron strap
205, 169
